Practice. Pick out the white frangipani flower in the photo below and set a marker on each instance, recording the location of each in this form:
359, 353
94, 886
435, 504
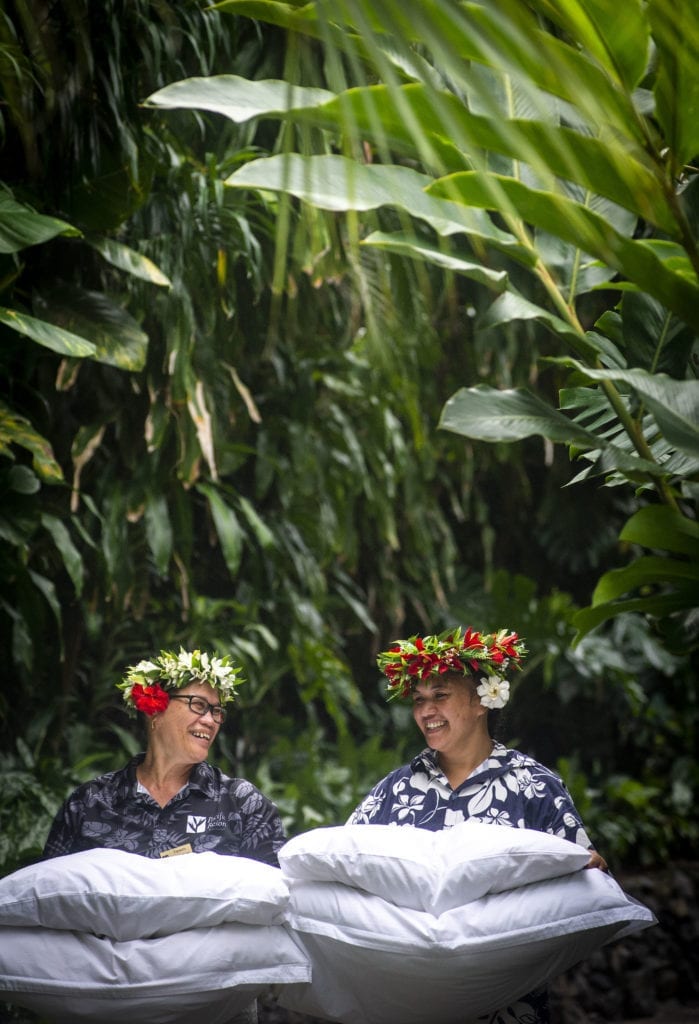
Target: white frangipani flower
493, 691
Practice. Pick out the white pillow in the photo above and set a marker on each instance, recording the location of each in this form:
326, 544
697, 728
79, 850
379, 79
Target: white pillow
212, 972
430, 871
379, 963
126, 896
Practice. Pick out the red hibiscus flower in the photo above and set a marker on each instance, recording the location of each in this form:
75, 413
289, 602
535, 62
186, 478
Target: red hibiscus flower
150, 699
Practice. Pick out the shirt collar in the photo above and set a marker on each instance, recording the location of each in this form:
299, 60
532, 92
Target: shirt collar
202, 777
499, 760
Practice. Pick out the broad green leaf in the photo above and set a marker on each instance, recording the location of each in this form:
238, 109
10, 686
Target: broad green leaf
601, 165
417, 248
511, 306
15, 429
441, 129
656, 605
49, 335
673, 403
579, 226
675, 25
486, 414
239, 99
393, 120
612, 459
298, 16
159, 532
661, 528
69, 553
129, 260
117, 338
337, 183
505, 36
495, 93
616, 35
20, 226
228, 529
648, 570
573, 270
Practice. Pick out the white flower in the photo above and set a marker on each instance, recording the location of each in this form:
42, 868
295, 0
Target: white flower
173, 671
184, 660
147, 667
493, 691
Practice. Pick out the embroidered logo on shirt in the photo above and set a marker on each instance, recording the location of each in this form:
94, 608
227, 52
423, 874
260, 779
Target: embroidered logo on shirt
196, 823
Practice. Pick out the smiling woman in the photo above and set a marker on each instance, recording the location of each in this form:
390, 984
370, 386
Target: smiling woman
169, 799
455, 680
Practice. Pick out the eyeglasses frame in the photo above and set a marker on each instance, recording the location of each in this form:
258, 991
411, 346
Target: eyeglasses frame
218, 713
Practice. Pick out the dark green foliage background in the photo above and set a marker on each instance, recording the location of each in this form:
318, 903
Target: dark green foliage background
261, 470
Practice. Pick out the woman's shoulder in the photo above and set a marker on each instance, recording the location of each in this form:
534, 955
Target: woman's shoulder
111, 782
217, 783
395, 776
509, 758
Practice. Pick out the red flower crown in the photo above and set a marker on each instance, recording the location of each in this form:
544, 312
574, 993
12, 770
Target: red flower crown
408, 662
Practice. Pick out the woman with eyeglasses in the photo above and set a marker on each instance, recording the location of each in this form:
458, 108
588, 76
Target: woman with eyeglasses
170, 800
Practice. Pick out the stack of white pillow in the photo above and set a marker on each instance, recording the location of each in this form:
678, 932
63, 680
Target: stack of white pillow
360, 925
116, 938
403, 924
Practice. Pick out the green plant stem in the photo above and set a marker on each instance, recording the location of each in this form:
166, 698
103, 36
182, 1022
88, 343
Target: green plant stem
639, 442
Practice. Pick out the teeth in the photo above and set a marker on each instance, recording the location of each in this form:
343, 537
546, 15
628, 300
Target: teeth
434, 725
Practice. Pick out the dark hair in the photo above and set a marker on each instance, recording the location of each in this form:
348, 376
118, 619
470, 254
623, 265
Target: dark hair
497, 718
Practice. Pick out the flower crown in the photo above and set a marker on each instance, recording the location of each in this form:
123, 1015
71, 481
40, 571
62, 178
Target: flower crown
145, 685
408, 662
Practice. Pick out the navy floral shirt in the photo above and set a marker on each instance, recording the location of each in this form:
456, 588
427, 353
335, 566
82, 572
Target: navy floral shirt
508, 788
211, 812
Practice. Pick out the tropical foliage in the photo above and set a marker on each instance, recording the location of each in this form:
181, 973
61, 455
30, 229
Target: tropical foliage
253, 258
575, 123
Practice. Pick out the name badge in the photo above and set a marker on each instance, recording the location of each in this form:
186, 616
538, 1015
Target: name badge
177, 850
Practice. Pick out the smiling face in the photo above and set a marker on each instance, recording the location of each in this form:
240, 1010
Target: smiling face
181, 734
449, 714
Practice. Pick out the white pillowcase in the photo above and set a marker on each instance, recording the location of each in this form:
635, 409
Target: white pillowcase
126, 896
379, 963
430, 871
212, 972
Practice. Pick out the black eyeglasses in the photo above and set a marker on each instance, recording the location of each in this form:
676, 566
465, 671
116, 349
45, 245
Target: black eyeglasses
200, 706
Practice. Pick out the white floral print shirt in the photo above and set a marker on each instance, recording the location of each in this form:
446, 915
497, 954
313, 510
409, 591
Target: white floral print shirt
508, 788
